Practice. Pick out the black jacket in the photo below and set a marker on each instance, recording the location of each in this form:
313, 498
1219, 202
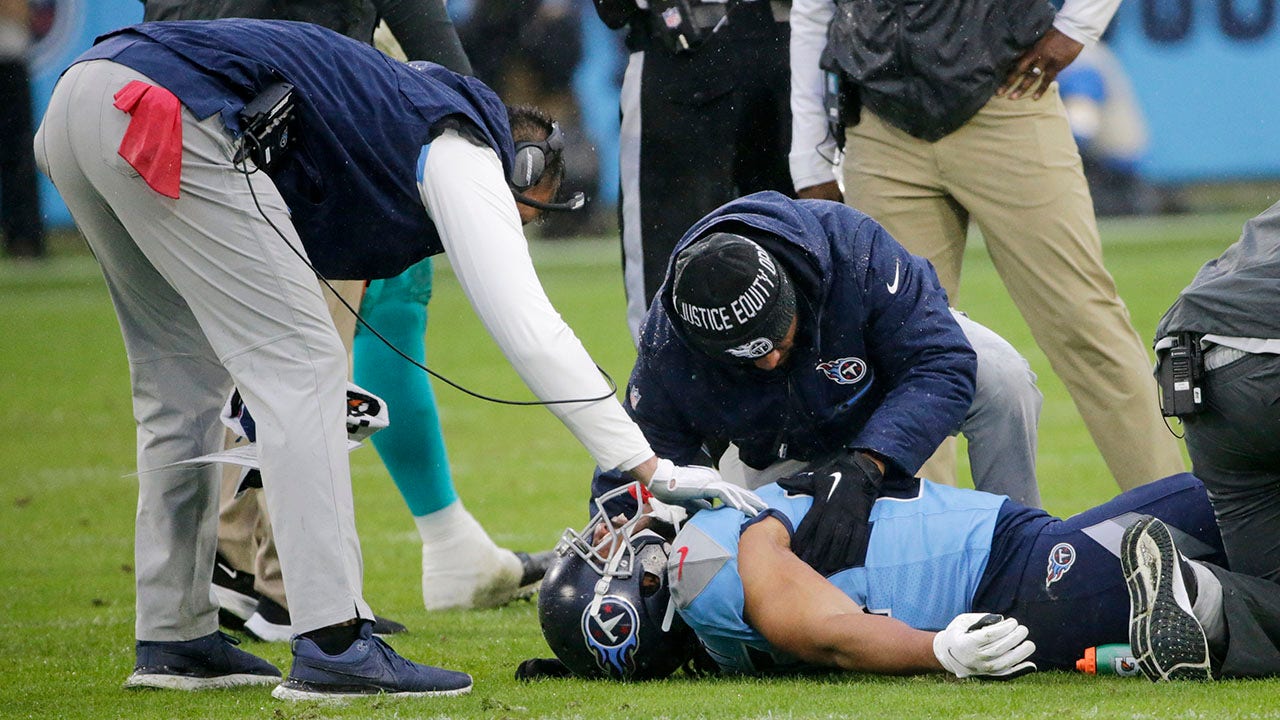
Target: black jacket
1237, 294
927, 67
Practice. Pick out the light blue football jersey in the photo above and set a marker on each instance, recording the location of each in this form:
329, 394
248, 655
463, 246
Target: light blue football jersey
924, 561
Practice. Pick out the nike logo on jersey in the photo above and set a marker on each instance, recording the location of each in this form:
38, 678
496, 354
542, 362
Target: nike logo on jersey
835, 480
230, 573
892, 287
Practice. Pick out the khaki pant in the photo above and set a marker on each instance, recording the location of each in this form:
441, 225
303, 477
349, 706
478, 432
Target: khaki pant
244, 526
1015, 171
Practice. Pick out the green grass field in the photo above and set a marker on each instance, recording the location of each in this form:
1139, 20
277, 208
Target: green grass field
66, 515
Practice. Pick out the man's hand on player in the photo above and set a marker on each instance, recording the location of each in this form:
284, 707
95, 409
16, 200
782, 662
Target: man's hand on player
681, 484
984, 645
833, 534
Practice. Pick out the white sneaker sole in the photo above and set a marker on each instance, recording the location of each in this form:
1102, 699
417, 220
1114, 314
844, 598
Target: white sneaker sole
296, 693
1166, 637
182, 682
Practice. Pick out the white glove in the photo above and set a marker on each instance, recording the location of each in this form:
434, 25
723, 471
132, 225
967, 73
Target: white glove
984, 644
674, 484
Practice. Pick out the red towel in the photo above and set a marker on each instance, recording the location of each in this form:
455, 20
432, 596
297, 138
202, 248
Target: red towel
153, 143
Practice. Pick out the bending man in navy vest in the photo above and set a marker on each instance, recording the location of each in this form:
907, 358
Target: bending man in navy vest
210, 262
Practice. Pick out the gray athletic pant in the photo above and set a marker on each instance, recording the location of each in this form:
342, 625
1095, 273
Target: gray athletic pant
207, 295
1002, 423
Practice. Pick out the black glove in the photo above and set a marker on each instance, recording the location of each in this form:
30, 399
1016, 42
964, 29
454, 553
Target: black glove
833, 535
540, 668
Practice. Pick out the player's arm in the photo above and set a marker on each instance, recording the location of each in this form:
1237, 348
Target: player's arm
802, 614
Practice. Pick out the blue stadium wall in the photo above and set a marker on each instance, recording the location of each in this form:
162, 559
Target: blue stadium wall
1207, 73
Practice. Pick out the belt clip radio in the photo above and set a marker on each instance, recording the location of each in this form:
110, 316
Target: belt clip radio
675, 23
269, 122
841, 103
1180, 374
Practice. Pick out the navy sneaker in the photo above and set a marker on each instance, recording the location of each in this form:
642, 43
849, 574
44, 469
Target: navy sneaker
212, 661
368, 667
1166, 637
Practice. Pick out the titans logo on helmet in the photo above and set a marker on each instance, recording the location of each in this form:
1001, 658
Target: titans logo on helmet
845, 371
610, 633
1061, 557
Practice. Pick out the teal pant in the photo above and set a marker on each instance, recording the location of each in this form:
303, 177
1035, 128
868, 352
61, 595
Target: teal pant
412, 447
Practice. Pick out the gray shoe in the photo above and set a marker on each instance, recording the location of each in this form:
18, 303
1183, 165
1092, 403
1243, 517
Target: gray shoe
1166, 637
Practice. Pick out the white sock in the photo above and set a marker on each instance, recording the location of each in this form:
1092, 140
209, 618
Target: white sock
461, 565
1208, 605
449, 523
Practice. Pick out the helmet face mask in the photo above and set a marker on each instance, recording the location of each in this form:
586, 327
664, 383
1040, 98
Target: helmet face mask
604, 603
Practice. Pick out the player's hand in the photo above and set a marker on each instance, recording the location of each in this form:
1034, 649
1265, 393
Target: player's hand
681, 484
984, 645
822, 191
1039, 66
833, 534
542, 668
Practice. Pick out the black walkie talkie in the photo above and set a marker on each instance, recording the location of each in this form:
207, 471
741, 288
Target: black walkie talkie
268, 121
1179, 373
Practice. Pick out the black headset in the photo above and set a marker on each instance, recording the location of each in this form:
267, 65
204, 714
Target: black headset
531, 162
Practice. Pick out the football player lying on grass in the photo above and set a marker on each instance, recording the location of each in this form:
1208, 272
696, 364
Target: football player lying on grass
945, 580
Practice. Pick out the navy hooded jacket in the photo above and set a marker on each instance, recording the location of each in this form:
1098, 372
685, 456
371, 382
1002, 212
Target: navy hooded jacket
879, 363
350, 178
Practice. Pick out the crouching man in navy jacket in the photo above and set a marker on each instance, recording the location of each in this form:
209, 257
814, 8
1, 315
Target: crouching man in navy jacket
802, 334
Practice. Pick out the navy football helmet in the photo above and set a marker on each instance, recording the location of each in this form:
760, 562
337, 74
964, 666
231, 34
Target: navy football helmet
605, 606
